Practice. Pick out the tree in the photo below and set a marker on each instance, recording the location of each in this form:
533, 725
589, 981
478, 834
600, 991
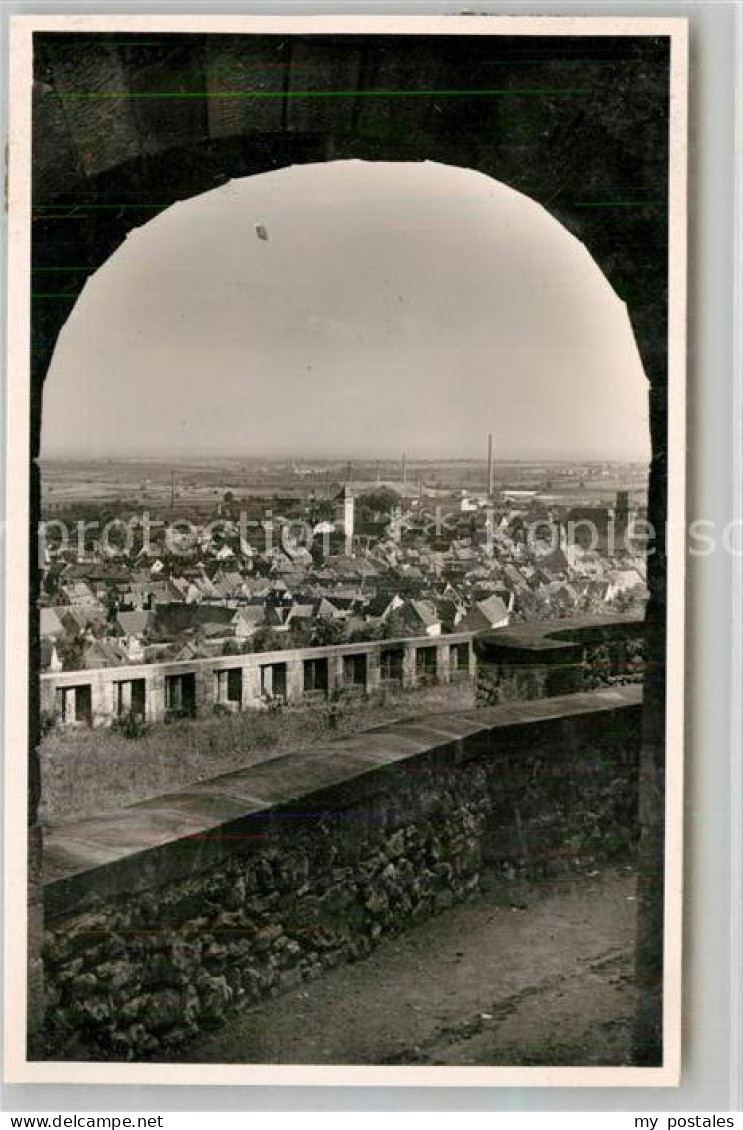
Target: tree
381, 500
71, 653
51, 584
299, 634
369, 633
266, 639
328, 632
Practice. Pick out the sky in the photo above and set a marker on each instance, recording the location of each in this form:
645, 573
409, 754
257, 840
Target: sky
392, 307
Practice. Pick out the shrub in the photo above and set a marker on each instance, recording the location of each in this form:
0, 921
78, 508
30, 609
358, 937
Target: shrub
131, 725
47, 723
93, 771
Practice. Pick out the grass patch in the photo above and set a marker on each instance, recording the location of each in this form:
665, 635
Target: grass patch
89, 772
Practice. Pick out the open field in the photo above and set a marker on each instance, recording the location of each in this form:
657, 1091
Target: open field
86, 772
203, 482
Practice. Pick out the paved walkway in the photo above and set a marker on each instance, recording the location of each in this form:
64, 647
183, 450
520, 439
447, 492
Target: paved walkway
529, 974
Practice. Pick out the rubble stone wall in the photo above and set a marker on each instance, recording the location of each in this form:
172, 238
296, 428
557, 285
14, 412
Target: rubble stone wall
136, 965
516, 666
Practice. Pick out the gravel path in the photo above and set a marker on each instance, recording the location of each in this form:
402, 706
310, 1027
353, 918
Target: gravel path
525, 974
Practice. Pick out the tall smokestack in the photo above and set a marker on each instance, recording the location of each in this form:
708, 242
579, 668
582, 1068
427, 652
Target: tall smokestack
404, 468
490, 464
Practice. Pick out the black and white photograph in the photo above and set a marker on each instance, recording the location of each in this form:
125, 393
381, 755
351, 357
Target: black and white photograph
348, 378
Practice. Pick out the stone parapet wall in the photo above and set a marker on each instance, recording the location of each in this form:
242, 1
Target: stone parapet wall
541, 659
101, 698
163, 918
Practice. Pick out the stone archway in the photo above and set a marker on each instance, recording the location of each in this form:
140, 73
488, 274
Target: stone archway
126, 126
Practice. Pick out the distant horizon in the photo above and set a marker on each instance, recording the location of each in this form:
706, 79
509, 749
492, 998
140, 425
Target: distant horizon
411, 460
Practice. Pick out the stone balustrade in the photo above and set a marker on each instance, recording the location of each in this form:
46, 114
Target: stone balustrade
156, 692
162, 918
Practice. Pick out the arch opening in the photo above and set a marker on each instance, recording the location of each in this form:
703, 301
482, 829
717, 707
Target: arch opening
350, 309
633, 115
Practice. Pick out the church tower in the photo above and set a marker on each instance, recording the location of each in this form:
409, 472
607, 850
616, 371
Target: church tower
345, 505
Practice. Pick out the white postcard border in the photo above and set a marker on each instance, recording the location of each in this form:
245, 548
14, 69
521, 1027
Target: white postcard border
18, 1068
